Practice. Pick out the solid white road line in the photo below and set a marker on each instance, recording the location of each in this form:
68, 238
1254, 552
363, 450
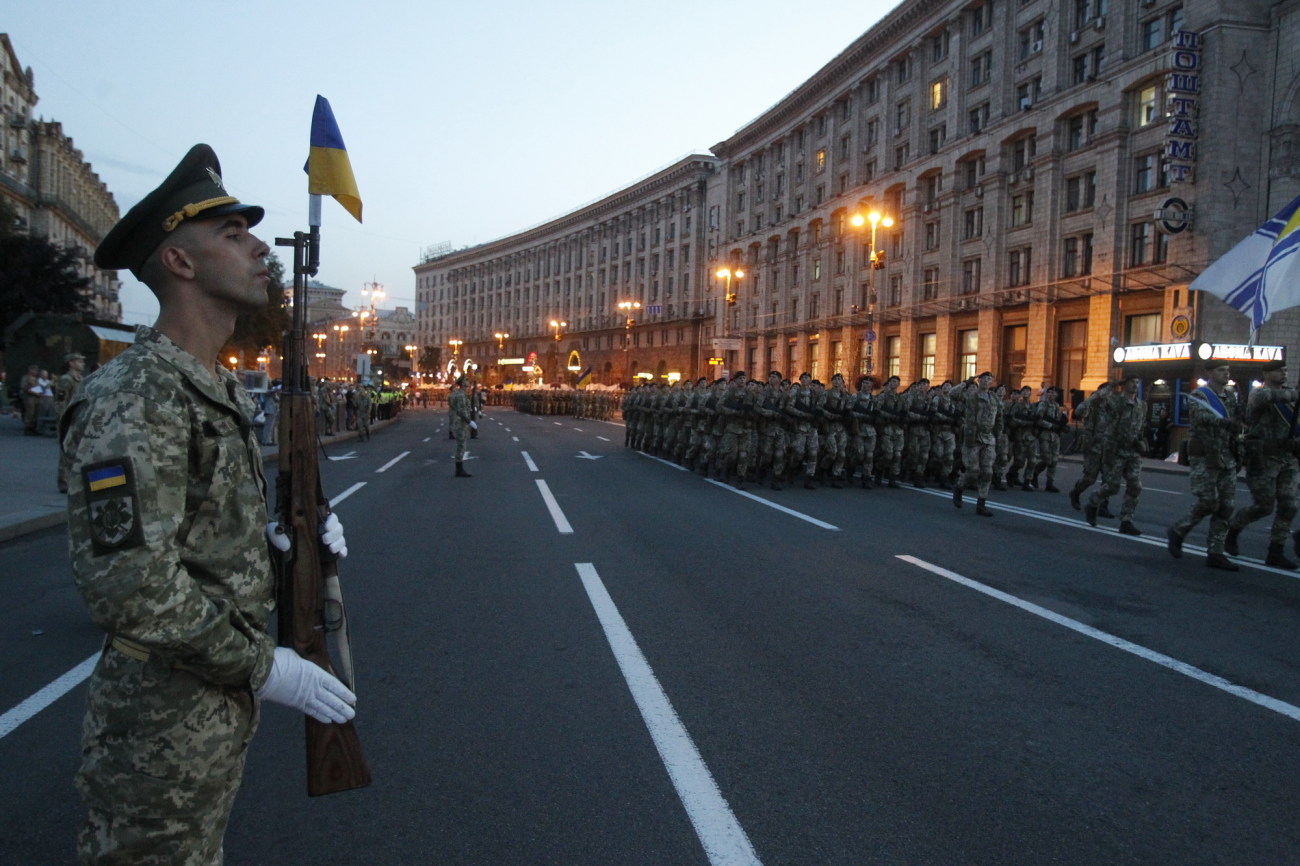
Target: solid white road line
1289, 710
602, 438
46, 696
561, 522
770, 504
724, 840
346, 493
532, 467
390, 463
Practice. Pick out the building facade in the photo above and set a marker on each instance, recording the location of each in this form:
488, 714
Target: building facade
618, 286
1048, 177
53, 191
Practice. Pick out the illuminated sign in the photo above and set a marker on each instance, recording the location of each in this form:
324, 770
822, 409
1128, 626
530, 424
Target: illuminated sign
1204, 351
510, 361
715, 362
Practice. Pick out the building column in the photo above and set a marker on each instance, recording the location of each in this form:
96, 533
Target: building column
945, 350
1098, 360
1040, 349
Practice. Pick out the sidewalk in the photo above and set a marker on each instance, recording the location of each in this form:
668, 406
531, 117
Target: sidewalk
29, 496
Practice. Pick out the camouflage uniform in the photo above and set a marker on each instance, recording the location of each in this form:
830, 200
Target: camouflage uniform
943, 436
1051, 420
362, 401
835, 410
862, 445
772, 444
64, 390
458, 419
1213, 458
1270, 454
917, 402
1024, 418
166, 520
982, 426
733, 448
891, 412
1122, 459
803, 406
1094, 438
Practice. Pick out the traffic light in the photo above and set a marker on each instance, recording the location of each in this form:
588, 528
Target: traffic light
878, 259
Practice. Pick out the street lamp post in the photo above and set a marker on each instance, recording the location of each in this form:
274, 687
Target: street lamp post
343, 349
501, 340
729, 297
629, 319
877, 262
557, 325
415, 364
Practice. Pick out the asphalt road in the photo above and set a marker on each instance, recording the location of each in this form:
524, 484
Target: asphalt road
585, 655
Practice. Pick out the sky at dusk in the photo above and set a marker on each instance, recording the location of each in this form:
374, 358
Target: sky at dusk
464, 122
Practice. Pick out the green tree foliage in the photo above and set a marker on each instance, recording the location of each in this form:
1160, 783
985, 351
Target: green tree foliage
37, 276
267, 326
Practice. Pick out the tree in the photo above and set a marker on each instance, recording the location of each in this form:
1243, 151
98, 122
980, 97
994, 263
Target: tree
267, 326
38, 277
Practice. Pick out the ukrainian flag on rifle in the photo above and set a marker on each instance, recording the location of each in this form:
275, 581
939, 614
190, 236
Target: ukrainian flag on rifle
585, 379
328, 170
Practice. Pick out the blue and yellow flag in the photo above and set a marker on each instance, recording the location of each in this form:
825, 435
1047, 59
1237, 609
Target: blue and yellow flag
585, 379
328, 170
1261, 274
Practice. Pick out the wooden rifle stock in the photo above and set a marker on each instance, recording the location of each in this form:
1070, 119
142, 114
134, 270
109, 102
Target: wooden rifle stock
309, 602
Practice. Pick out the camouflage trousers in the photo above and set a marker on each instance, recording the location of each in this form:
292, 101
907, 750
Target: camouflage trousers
1215, 489
1001, 456
1126, 466
834, 448
733, 453
1272, 485
891, 450
803, 449
918, 450
978, 459
1025, 450
862, 451
461, 432
772, 448
1092, 459
162, 757
1049, 454
943, 451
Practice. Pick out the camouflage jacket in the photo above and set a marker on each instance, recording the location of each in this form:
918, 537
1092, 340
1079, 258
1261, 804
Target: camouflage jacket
167, 511
1212, 437
982, 419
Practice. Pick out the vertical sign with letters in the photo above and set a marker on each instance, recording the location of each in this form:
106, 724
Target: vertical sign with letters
1183, 87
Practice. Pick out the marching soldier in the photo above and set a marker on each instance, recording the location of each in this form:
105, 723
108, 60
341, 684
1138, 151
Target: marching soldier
1212, 453
1025, 429
835, 411
1098, 419
982, 425
1270, 453
862, 445
1122, 456
892, 412
918, 429
1052, 421
803, 407
772, 446
943, 437
733, 448
459, 421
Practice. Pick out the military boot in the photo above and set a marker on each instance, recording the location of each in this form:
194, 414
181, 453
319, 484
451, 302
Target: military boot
1277, 558
1074, 499
1221, 562
1103, 510
1090, 514
998, 485
460, 471
1175, 542
893, 482
1230, 545
1052, 488
1127, 527
980, 508
956, 495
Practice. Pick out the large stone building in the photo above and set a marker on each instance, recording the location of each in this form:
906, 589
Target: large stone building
1057, 172
553, 293
49, 185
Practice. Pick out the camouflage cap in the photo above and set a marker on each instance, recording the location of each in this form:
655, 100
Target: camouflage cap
73, 356
193, 190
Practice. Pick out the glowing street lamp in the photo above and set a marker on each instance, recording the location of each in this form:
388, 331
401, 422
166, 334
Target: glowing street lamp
629, 309
501, 339
557, 325
455, 346
877, 261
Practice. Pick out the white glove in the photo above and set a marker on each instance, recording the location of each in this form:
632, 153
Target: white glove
331, 535
298, 683
473, 425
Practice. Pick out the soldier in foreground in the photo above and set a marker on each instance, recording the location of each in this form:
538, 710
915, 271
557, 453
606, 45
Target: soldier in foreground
1270, 454
167, 523
1211, 452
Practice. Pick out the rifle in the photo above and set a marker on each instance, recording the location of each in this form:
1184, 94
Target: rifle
308, 596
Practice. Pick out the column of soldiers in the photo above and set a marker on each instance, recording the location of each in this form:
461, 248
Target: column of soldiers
785, 432
595, 405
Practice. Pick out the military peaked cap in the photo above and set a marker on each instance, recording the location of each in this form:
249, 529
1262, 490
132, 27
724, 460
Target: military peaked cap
193, 191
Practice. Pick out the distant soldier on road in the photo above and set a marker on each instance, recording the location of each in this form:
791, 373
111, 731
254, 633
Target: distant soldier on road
459, 420
1211, 450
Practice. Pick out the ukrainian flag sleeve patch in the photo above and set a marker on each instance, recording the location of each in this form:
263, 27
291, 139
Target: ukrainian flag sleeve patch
112, 505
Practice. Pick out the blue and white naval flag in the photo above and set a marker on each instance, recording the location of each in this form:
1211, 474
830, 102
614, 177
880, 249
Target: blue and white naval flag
1260, 275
